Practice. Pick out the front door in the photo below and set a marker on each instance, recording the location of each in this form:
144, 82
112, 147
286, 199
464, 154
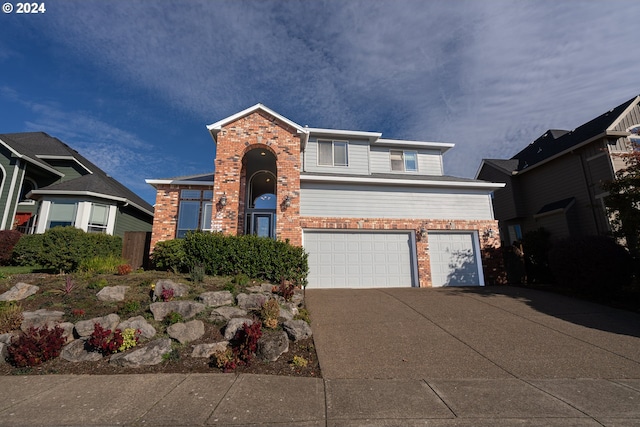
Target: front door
261, 220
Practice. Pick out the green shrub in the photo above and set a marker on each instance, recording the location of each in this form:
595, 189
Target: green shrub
253, 256
170, 256
8, 240
173, 318
102, 264
197, 273
64, 248
98, 284
591, 265
241, 279
28, 250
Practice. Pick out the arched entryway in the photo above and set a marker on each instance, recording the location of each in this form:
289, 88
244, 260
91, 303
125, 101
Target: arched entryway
260, 175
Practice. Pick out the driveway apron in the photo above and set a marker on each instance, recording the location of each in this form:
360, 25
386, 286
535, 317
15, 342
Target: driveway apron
470, 333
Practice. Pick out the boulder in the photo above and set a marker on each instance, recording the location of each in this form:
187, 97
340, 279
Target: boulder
226, 313
187, 309
151, 354
287, 311
6, 338
77, 352
3, 353
216, 299
68, 328
84, 328
297, 329
139, 323
19, 292
272, 346
251, 301
233, 326
186, 332
112, 293
208, 349
179, 289
40, 318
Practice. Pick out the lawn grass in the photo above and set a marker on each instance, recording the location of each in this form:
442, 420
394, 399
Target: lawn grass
9, 270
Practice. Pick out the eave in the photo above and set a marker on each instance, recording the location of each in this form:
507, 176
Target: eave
37, 194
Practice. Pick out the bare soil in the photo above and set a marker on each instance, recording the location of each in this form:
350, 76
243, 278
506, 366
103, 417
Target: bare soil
80, 303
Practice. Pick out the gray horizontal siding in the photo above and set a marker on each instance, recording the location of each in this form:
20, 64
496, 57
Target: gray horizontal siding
357, 152
350, 201
429, 161
630, 119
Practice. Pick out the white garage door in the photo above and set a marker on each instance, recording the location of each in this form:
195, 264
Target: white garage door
358, 259
455, 259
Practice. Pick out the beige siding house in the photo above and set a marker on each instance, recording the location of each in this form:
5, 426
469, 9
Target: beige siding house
555, 182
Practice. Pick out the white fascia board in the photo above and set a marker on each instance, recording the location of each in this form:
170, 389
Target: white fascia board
442, 146
404, 182
217, 126
371, 136
46, 157
624, 114
30, 160
89, 194
155, 182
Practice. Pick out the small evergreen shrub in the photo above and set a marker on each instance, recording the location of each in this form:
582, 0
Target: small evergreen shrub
241, 279
10, 316
8, 240
591, 265
170, 256
197, 273
173, 318
36, 346
28, 249
98, 284
130, 307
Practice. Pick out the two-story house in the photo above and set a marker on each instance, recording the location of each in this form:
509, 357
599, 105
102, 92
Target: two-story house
44, 183
369, 211
555, 182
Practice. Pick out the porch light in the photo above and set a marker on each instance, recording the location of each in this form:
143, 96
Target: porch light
488, 233
287, 201
223, 200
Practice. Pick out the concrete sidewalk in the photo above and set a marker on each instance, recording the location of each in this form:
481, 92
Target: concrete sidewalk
402, 357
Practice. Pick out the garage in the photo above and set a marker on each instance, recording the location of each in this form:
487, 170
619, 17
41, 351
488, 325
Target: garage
455, 259
354, 259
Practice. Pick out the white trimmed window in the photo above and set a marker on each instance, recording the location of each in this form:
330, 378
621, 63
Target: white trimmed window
333, 153
194, 212
98, 220
404, 161
62, 214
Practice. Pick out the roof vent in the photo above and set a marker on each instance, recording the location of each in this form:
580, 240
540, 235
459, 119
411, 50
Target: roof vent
539, 150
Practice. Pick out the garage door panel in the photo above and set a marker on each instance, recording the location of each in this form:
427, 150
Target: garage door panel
454, 259
369, 259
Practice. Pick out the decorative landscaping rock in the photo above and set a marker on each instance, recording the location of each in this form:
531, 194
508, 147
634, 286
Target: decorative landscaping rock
216, 299
226, 313
297, 329
19, 292
3, 353
40, 318
251, 301
272, 346
67, 327
179, 289
139, 323
112, 293
186, 332
84, 328
187, 309
6, 338
208, 350
151, 354
77, 352
234, 325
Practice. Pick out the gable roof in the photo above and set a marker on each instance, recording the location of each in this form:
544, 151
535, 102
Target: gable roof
37, 147
197, 179
555, 142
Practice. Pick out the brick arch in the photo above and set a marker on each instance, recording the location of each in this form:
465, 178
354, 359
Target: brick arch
256, 146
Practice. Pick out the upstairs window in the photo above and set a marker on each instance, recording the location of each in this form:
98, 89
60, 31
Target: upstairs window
333, 153
404, 161
194, 212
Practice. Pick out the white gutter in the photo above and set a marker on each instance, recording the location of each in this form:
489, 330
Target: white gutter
88, 194
30, 160
410, 182
155, 182
442, 146
372, 136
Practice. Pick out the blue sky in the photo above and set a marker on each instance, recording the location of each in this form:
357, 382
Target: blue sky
132, 84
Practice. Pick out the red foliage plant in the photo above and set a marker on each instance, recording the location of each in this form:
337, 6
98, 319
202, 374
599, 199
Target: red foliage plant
244, 345
104, 341
166, 294
35, 346
8, 239
124, 269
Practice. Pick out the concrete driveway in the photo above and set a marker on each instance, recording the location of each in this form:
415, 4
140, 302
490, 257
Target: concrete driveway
470, 333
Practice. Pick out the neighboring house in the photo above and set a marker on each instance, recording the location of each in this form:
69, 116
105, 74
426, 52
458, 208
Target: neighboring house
369, 211
555, 182
44, 183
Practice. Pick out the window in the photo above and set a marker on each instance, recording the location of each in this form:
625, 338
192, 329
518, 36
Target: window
404, 161
98, 218
333, 153
195, 210
62, 214
27, 185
